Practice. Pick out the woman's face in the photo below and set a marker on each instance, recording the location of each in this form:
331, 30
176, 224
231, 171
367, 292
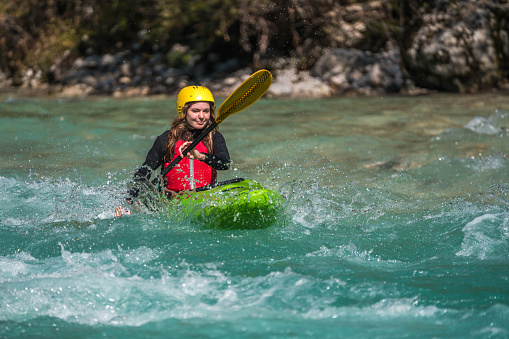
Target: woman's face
198, 115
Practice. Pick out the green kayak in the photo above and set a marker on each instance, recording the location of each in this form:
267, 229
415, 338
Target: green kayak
233, 204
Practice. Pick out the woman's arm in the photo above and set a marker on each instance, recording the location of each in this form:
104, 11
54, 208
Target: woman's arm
154, 157
220, 159
153, 160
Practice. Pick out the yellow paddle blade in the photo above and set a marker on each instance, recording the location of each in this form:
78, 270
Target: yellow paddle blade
246, 94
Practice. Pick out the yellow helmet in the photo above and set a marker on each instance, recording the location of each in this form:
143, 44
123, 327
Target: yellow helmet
192, 93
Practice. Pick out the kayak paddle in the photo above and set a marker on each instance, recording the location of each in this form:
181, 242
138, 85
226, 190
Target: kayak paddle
244, 96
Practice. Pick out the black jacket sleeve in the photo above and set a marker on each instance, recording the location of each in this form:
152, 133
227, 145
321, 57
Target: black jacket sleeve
220, 158
154, 157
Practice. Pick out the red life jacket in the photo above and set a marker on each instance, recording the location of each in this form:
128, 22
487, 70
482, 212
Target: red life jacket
178, 178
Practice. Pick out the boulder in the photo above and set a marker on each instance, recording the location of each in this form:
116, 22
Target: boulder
290, 83
461, 48
352, 71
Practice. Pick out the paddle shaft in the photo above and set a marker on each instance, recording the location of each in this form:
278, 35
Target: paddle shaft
189, 148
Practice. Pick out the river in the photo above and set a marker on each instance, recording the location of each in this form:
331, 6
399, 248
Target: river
396, 222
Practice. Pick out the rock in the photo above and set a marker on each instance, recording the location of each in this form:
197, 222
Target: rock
79, 90
170, 81
457, 48
338, 80
89, 80
78, 63
108, 60
125, 69
375, 76
337, 60
230, 81
293, 84
227, 67
92, 61
352, 71
124, 80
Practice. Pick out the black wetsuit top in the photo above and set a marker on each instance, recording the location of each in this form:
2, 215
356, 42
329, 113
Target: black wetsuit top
219, 159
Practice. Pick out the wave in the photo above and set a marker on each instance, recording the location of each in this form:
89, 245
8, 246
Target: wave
486, 236
497, 123
33, 203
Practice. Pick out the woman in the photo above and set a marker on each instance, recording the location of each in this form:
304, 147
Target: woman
195, 109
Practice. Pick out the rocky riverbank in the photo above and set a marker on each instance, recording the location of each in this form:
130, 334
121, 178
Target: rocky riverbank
463, 48
125, 74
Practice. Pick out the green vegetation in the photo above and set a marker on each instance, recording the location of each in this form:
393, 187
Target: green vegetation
37, 34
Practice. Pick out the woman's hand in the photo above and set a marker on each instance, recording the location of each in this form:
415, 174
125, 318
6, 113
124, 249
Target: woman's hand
192, 154
119, 211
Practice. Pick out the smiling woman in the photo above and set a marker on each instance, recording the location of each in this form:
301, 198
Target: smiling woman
198, 114
196, 111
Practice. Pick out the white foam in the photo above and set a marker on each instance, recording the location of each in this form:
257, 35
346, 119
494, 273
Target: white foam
482, 126
384, 309
14, 266
485, 236
350, 252
489, 163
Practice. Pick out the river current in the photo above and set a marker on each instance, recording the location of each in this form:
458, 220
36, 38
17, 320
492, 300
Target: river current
396, 222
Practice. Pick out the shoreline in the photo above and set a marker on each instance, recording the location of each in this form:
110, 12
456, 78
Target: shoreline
59, 94
460, 48
339, 72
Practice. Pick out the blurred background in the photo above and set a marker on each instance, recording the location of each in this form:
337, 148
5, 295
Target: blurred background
314, 48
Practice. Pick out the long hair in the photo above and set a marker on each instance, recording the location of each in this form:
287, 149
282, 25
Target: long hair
180, 129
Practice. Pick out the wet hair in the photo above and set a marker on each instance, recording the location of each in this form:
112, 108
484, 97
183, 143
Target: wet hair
180, 129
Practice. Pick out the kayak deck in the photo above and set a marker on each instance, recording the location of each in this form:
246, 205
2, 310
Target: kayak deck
235, 204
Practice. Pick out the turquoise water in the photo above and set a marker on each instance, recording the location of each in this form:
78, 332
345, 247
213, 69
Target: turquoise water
396, 224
